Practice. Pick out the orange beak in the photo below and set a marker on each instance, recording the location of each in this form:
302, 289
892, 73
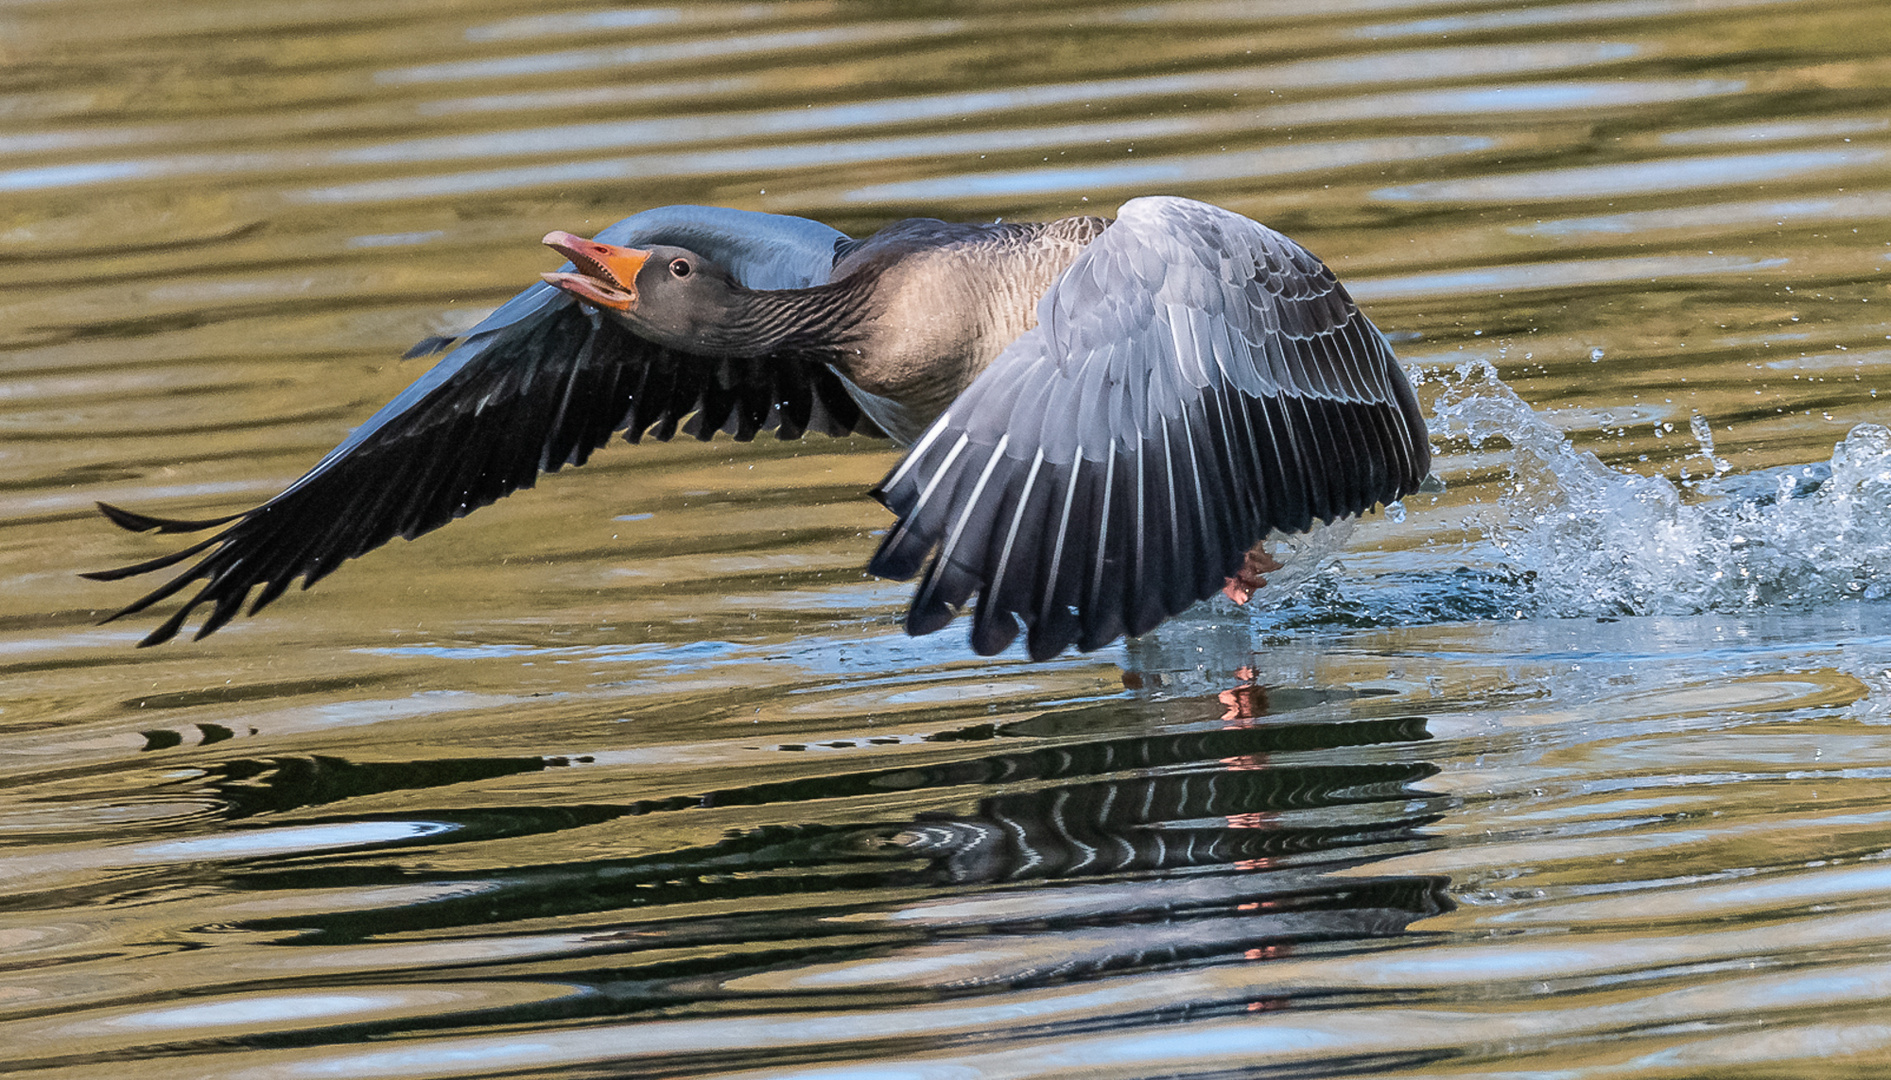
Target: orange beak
605, 275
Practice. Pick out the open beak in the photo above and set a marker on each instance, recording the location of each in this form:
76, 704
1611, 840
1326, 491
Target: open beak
605, 275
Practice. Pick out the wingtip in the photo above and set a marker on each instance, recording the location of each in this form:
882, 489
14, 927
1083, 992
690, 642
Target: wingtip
926, 616
126, 519
157, 637
118, 573
438, 343
895, 565
1055, 630
992, 631
1041, 651
132, 521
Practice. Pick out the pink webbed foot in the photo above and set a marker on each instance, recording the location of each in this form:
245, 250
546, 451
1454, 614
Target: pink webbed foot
1247, 579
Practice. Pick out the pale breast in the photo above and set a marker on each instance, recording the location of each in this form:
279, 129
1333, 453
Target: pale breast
946, 301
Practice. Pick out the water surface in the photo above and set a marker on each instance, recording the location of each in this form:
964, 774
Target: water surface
1574, 767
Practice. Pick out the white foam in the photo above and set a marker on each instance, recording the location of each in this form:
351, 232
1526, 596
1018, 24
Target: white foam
1594, 540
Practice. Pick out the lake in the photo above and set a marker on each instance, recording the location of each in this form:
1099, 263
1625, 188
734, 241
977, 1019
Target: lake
1576, 764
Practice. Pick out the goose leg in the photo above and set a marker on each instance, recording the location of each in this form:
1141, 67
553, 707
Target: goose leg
1247, 579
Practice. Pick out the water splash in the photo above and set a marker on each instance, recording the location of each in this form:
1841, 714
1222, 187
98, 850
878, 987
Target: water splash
1570, 536
1704, 435
1303, 557
1598, 541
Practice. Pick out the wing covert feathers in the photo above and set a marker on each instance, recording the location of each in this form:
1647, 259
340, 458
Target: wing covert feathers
1195, 380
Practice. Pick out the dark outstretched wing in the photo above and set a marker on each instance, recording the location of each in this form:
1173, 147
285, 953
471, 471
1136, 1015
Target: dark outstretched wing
1194, 381
541, 389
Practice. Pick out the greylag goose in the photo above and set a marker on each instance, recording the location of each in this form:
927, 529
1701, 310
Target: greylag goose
1104, 419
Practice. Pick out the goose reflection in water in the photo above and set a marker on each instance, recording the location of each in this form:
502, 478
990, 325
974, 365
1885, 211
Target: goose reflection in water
1075, 842
1209, 848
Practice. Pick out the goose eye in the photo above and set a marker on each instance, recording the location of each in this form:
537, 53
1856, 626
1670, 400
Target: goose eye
680, 267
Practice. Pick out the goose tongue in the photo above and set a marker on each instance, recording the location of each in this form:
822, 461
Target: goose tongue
606, 275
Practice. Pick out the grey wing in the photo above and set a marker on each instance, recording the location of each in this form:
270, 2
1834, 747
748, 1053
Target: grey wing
1195, 380
537, 386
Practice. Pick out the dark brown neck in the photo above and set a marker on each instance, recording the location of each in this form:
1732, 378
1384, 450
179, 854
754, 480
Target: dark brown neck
822, 322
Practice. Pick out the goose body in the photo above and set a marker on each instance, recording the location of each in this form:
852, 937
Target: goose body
1104, 417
